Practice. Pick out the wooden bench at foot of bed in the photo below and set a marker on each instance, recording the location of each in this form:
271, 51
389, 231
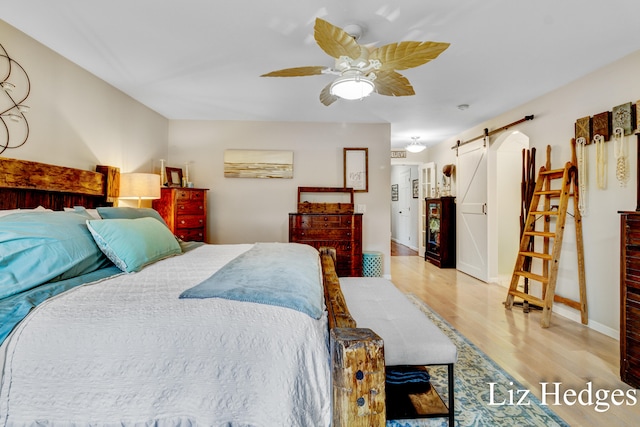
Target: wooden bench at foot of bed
411, 342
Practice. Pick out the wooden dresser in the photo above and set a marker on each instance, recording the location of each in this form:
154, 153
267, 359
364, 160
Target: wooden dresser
185, 211
330, 224
340, 231
630, 298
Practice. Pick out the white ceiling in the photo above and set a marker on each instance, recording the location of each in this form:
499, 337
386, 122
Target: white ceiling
201, 59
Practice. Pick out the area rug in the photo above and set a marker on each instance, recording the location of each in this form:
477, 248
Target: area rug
474, 372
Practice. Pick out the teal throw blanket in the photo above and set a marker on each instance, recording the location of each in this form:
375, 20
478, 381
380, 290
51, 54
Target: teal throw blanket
280, 274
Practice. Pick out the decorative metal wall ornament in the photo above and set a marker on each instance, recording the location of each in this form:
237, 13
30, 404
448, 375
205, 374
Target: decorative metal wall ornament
15, 88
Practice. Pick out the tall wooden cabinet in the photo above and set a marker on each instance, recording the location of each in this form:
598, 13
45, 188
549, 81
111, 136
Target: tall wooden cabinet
185, 211
630, 298
440, 241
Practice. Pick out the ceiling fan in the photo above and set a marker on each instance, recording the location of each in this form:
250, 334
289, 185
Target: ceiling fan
363, 70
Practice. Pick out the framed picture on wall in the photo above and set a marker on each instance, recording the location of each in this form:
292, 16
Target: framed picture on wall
416, 190
356, 169
174, 177
394, 192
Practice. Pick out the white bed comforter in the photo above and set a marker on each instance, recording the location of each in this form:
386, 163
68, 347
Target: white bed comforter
127, 351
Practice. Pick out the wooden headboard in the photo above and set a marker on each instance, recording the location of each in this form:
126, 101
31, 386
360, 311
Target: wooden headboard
25, 184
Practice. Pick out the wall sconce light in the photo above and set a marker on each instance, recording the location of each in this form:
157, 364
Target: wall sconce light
15, 88
140, 186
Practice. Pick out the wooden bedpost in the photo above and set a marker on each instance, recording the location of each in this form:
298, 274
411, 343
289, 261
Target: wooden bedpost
358, 376
357, 359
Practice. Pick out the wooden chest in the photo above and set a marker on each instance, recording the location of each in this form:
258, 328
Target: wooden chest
630, 298
342, 231
185, 211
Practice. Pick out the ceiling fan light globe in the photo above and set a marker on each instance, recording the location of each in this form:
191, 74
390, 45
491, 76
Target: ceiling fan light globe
352, 87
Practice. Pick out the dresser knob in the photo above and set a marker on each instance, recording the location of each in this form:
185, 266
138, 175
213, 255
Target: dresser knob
181, 207
201, 221
182, 221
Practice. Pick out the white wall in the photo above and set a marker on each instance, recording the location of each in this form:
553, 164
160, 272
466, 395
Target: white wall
247, 210
78, 120
555, 114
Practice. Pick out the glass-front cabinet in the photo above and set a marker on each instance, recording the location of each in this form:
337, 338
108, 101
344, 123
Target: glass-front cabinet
440, 227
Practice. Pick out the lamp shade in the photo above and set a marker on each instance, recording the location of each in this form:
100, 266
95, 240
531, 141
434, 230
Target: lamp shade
139, 186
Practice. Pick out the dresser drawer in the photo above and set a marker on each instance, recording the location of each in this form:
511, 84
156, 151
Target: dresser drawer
324, 233
190, 234
190, 207
190, 221
187, 194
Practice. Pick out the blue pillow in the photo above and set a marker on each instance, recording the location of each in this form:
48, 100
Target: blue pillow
132, 244
37, 247
129, 213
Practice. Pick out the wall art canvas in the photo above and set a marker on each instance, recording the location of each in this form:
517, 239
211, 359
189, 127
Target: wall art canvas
258, 164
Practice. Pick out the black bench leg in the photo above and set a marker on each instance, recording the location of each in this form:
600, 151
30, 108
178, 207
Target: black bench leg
452, 409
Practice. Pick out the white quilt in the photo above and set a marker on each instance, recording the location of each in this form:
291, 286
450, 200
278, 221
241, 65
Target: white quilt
127, 351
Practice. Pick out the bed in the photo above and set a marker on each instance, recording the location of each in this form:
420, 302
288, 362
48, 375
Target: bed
128, 339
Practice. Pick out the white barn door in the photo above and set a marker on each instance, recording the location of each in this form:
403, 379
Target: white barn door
471, 211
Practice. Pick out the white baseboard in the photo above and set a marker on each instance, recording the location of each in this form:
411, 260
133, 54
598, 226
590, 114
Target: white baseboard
569, 313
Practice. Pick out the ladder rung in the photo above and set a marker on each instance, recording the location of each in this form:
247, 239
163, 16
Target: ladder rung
544, 213
550, 193
537, 255
540, 234
532, 276
551, 172
527, 297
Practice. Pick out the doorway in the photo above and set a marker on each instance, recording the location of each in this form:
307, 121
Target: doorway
404, 207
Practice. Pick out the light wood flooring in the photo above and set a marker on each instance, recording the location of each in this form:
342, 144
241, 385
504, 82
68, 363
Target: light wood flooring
566, 352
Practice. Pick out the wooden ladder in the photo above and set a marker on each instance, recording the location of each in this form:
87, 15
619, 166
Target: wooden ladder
550, 255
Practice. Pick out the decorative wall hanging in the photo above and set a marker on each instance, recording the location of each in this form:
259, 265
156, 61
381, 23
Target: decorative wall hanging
583, 130
622, 117
16, 86
581, 158
601, 125
621, 151
356, 169
258, 164
601, 161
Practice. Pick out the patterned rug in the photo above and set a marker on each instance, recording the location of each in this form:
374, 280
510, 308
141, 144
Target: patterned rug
473, 373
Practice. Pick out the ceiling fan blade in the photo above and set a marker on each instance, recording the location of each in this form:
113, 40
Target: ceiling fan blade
335, 41
296, 72
390, 83
403, 55
326, 97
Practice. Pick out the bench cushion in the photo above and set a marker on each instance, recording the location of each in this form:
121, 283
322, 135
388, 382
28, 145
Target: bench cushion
410, 338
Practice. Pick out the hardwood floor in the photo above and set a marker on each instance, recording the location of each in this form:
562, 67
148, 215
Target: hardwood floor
566, 352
